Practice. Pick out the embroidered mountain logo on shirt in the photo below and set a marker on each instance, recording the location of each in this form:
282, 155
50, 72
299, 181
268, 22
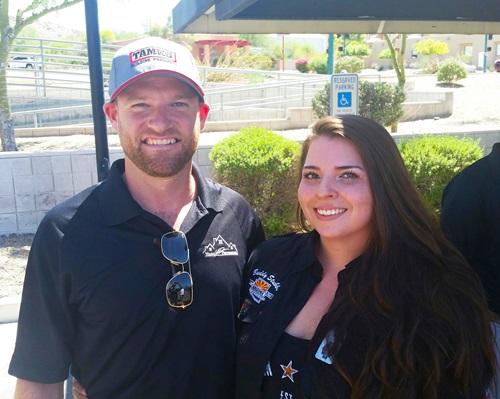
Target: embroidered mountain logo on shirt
220, 247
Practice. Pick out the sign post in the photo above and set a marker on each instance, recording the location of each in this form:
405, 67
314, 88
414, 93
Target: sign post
344, 94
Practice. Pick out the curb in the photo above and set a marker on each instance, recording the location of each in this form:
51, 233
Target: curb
9, 309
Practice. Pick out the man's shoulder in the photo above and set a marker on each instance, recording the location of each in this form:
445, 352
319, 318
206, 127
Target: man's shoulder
224, 195
288, 245
473, 175
66, 209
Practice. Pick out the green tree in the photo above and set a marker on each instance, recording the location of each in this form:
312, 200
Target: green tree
397, 57
431, 47
154, 29
8, 33
107, 37
385, 54
357, 49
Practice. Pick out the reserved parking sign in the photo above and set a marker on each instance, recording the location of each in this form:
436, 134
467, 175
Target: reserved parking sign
344, 94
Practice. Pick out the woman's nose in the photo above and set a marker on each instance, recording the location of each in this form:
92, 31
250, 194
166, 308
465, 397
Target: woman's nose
328, 187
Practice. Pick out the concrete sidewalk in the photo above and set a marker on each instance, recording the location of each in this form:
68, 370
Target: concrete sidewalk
8, 340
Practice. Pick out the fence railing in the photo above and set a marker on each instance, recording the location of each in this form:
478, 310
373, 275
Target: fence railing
57, 90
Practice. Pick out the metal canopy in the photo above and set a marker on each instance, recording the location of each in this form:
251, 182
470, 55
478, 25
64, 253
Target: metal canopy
337, 16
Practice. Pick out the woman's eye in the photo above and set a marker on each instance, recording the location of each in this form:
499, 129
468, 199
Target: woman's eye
348, 175
310, 175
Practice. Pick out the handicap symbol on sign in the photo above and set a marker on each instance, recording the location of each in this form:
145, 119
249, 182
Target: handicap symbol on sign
344, 99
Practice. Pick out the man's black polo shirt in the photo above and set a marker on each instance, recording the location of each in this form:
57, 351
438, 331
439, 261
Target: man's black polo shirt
94, 295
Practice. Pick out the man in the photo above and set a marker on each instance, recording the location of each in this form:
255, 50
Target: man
470, 218
103, 264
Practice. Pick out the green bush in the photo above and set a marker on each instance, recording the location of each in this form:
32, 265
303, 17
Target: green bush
319, 64
451, 71
381, 101
349, 64
320, 103
433, 161
262, 166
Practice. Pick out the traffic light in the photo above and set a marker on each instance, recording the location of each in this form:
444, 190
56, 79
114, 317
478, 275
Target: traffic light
340, 48
490, 36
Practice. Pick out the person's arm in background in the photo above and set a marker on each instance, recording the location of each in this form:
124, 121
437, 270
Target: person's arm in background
78, 391
461, 216
36, 390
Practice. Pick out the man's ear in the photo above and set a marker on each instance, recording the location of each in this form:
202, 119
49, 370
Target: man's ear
111, 112
204, 110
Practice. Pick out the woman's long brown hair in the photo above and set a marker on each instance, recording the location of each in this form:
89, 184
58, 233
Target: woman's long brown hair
419, 304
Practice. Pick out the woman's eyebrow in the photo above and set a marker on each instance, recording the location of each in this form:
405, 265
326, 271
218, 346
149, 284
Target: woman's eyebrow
342, 167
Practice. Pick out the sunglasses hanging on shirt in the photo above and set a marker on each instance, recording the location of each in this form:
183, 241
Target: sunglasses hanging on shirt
179, 289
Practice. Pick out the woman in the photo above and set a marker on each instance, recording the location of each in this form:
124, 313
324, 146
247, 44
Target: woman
371, 301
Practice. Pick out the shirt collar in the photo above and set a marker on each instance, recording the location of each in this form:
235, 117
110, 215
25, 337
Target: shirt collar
119, 206
309, 259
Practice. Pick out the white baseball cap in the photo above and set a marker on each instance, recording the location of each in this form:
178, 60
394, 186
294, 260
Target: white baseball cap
152, 55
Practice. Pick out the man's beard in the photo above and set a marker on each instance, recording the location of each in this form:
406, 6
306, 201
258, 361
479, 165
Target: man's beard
161, 166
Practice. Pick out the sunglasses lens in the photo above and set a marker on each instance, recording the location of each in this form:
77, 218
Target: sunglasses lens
180, 290
174, 247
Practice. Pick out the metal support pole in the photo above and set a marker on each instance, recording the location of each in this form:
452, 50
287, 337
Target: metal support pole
330, 53
485, 52
97, 88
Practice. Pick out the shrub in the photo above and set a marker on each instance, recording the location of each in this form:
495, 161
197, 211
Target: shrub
432, 161
319, 64
385, 54
254, 61
320, 103
262, 166
301, 65
451, 71
381, 101
349, 64
429, 65
358, 49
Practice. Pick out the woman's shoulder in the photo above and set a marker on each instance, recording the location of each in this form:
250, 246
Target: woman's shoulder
291, 242
283, 252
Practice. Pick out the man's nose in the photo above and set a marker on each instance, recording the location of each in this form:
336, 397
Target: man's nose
160, 118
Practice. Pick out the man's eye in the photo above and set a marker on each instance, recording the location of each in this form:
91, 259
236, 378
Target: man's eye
180, 104
139, 105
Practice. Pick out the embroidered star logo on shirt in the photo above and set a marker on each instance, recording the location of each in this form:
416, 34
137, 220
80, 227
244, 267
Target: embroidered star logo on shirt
288, 371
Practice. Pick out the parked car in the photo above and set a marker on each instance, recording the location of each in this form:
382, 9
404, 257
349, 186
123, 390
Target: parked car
23, 62
496, 65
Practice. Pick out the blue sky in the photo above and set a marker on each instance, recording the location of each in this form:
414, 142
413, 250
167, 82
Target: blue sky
115, 15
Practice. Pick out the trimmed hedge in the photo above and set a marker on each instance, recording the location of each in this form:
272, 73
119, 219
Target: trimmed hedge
262, 166
433, 160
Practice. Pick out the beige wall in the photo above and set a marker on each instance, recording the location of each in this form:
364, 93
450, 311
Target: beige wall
456, 44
